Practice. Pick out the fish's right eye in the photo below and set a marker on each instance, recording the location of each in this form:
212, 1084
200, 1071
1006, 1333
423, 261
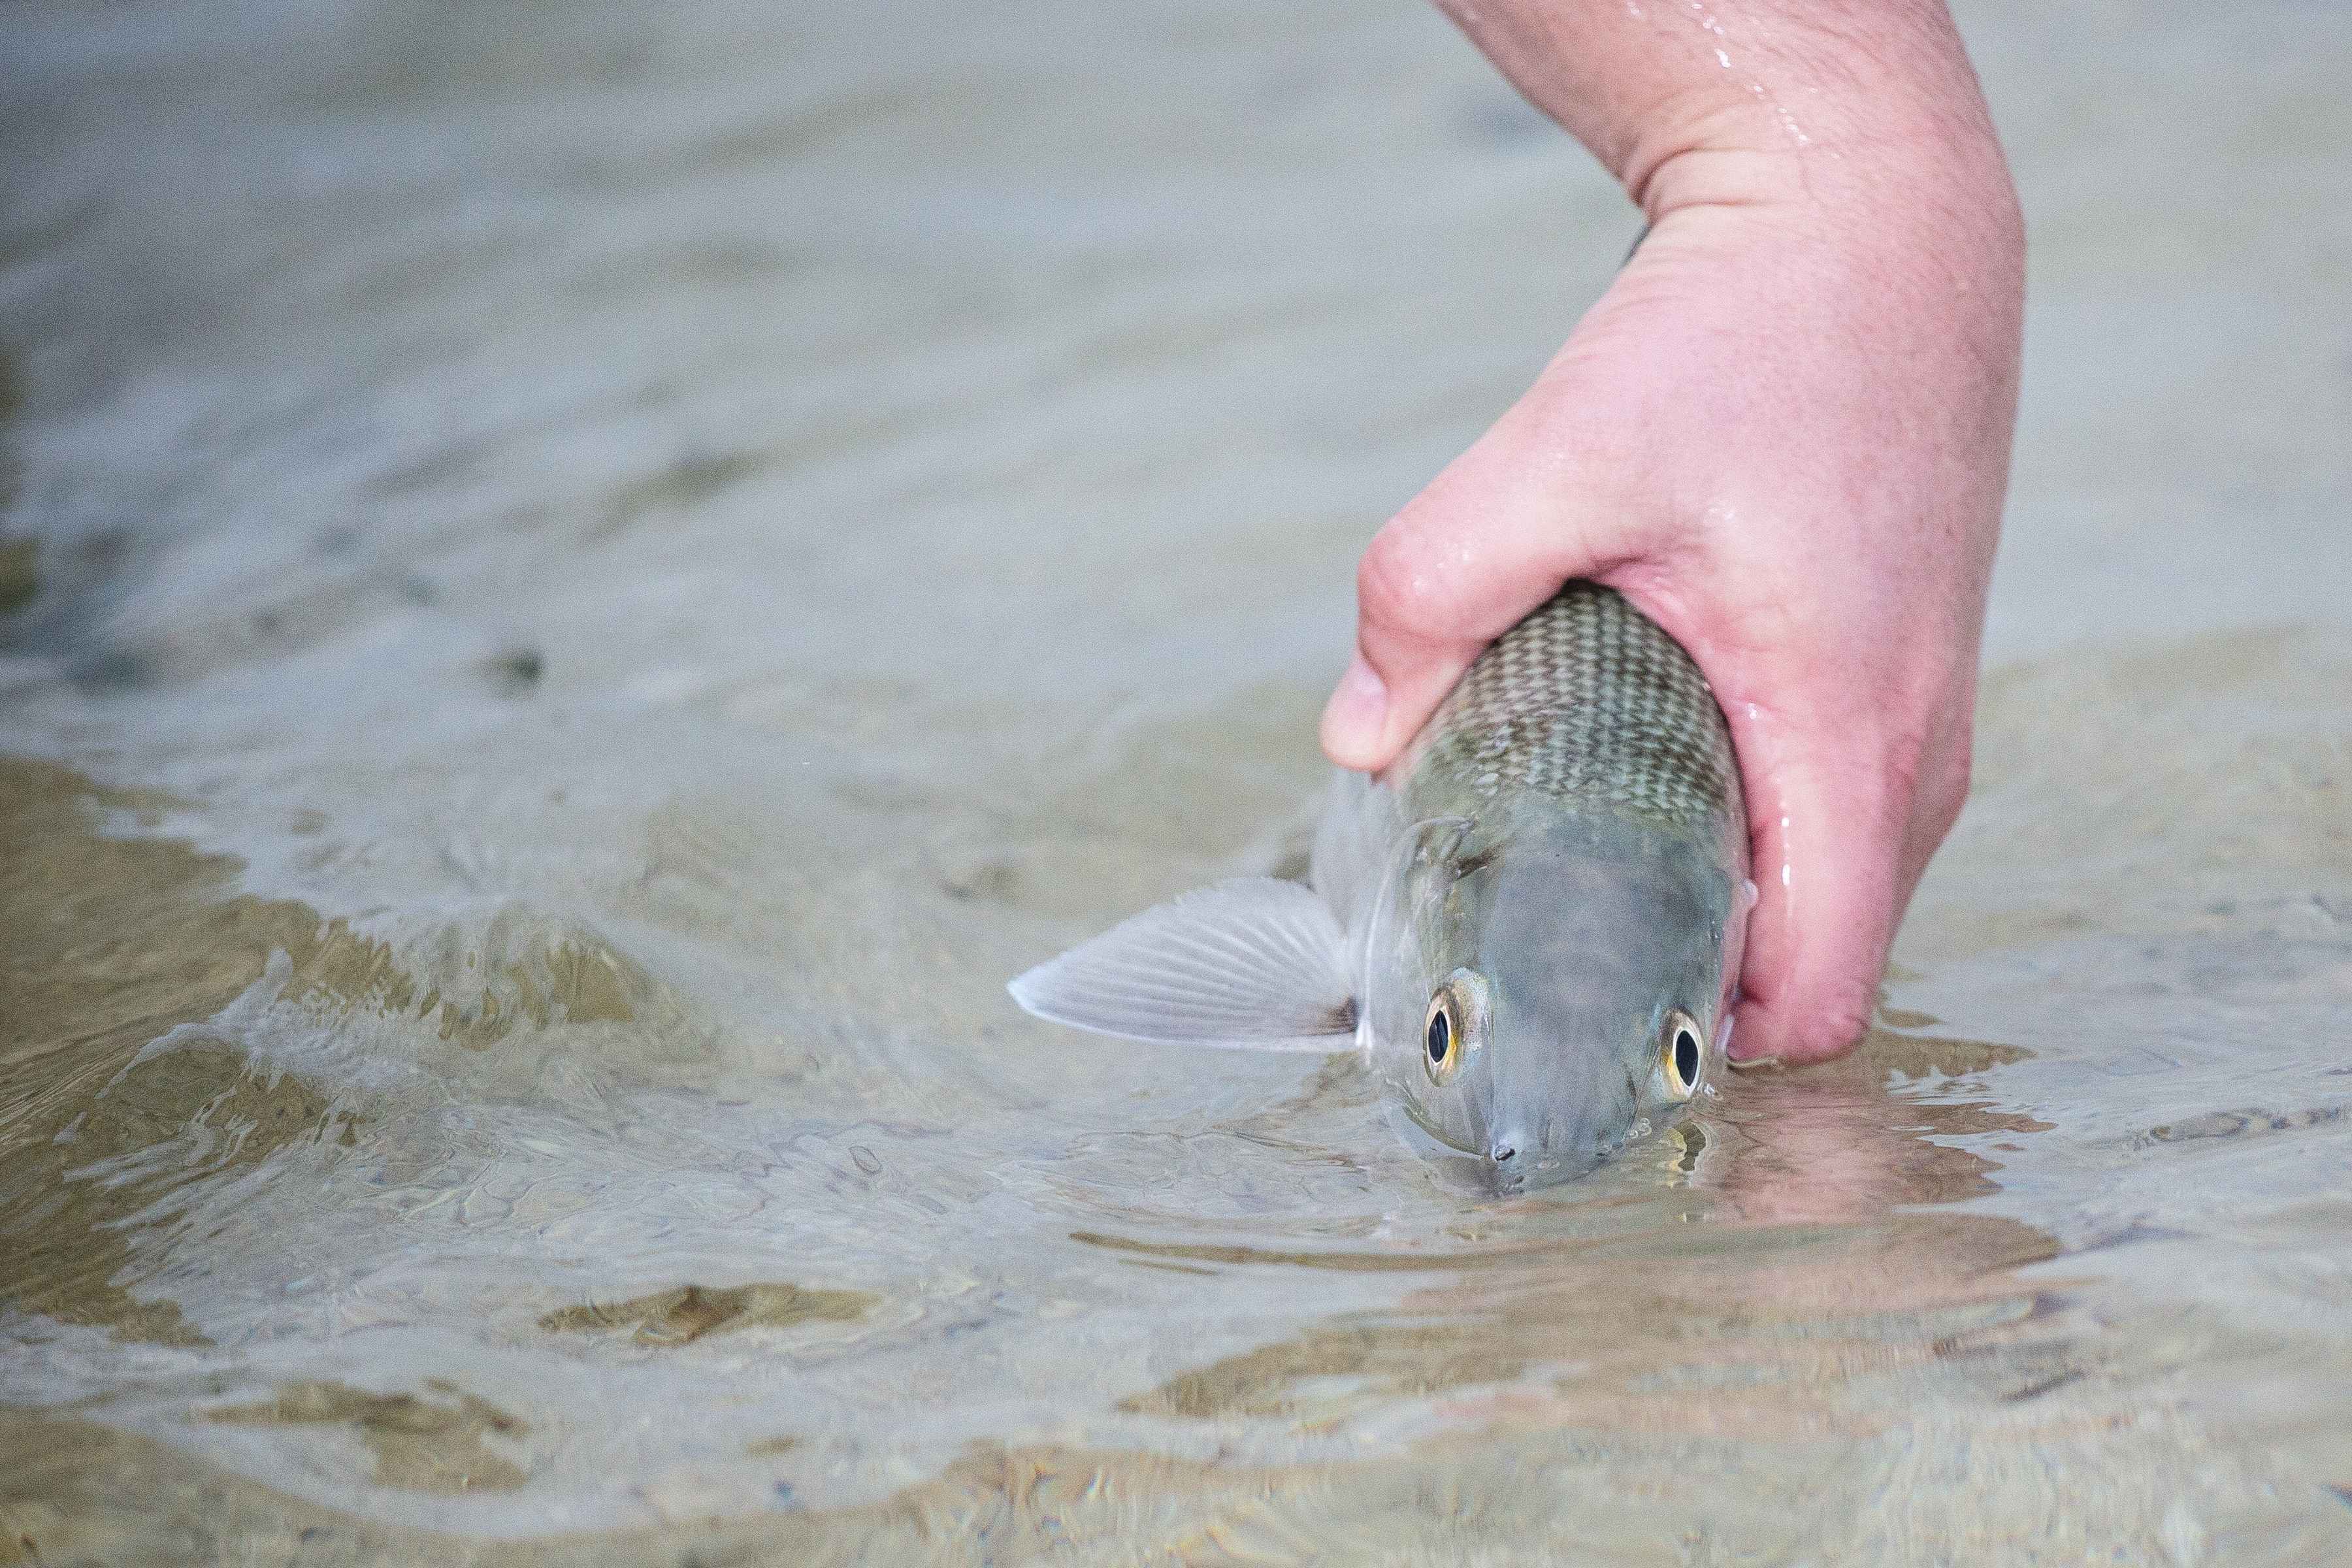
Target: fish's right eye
1681, 1055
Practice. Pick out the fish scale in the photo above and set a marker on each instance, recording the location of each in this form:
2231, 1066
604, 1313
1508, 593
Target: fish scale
1590, 702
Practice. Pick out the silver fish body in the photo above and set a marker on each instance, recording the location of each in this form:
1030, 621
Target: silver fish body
1533, 932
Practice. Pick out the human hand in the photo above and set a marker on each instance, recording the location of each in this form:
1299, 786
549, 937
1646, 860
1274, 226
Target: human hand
1783, 432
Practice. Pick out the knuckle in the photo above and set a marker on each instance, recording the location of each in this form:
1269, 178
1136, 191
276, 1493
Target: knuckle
1926, 780
1905, 762
1946, 793
1840, 1015
1932, 775
1394, 586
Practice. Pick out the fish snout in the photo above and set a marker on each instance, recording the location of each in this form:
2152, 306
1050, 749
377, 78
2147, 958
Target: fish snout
1521, 1157
1506, 1172
1553, 1146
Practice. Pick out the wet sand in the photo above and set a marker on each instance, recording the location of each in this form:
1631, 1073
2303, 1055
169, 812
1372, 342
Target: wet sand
577, 592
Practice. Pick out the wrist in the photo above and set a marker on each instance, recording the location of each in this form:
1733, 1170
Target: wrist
1866, 111
1923, 244
1896, 185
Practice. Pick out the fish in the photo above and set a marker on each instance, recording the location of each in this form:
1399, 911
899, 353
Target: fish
1530, 928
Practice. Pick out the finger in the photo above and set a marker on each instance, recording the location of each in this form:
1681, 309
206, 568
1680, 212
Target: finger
1829, 815
1491, 537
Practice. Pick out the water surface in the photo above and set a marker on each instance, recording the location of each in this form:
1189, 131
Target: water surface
577, 589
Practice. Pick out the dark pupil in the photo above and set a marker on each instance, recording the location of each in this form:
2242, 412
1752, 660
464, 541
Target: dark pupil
1686, 1056
1441, 1035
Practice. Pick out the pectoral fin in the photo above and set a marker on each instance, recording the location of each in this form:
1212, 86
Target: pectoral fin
1253, 964
1353, 838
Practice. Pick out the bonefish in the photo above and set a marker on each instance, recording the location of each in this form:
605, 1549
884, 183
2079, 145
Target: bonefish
1532, 934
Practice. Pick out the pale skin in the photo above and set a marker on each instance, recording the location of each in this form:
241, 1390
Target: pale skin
1783, 432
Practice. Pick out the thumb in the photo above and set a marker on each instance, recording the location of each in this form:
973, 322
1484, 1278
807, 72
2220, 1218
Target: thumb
1492, 537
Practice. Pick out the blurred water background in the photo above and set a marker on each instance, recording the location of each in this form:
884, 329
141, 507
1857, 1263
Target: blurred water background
580, 585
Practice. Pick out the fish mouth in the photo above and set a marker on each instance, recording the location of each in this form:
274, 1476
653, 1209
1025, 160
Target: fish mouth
1507, 1167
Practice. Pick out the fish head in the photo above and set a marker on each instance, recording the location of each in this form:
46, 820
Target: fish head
1545, 990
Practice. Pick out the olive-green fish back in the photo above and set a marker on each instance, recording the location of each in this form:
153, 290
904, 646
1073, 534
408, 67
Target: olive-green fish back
1589, 701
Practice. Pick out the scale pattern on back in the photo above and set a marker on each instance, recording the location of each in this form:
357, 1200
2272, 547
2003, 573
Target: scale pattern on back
1586, 700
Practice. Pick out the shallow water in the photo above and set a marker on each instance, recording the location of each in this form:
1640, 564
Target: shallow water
580, 587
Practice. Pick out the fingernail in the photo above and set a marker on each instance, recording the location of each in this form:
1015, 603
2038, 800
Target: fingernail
1352, 719
1733, 1042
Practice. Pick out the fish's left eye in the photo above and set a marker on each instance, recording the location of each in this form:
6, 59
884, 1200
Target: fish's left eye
1456, 1016
1682, 1054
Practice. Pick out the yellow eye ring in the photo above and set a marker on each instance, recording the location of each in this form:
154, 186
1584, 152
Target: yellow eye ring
1682, 1054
